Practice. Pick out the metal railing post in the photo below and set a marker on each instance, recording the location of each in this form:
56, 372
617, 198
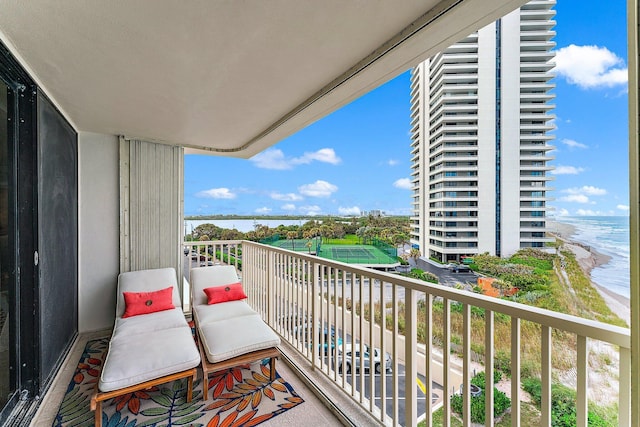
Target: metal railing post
315, 315
411, 362
270, 291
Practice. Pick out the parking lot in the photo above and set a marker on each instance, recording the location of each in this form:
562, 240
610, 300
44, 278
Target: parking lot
447, 277
360, 378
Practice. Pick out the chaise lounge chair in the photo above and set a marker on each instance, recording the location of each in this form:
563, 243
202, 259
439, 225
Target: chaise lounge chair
230, 332
151, 343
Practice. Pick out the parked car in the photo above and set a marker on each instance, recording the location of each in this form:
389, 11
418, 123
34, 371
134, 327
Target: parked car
352, 356
329, 345
458, 268
206, 264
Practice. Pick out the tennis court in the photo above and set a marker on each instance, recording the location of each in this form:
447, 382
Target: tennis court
356, 254
298, 245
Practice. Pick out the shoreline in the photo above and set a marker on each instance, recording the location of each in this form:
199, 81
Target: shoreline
589, 258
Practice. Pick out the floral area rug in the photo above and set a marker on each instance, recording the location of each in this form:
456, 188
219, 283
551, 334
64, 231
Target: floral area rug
242, 396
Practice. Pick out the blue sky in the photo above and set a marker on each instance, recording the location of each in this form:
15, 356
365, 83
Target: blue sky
357, 159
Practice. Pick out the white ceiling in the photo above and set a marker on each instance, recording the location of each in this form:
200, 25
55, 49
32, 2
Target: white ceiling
231, 77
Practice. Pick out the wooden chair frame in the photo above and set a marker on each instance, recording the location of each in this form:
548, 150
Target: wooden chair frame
209, 368
98, 397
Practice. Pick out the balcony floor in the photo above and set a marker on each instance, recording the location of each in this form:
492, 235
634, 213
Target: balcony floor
311, 413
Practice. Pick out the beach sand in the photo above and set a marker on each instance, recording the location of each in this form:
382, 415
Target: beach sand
589, 258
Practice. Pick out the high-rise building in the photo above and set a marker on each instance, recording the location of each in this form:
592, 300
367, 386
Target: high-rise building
480, 128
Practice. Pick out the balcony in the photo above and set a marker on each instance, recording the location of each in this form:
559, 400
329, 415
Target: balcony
99, 82
297, 294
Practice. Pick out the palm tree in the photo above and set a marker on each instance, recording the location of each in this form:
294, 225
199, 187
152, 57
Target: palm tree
315, 231
292, 235
262, 231
386, 233
414, 254
325, 231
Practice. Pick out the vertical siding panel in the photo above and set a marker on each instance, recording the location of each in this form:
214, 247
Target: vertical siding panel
151, 194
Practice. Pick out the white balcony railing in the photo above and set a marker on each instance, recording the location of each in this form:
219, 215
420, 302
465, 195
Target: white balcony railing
317, 304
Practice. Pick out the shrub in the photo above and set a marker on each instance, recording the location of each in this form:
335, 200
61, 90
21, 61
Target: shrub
500, 404
479, 378
419, 274
502, 362
563, 404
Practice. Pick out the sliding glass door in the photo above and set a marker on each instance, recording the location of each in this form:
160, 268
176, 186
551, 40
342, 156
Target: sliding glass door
7, 311
19, 361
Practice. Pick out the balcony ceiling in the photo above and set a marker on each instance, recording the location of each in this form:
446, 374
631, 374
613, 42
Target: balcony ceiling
230, 77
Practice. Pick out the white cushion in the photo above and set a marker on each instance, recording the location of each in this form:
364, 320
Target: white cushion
205, 277
147, 323
138, 358
212, 313
233, 337
146, 281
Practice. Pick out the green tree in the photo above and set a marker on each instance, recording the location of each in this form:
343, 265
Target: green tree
414, 254
232, 235
292, 235
262, 231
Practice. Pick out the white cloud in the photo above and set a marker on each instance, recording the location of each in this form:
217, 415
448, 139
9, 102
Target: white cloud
575, 198
573, 144
623, 208
567, 170
392, 162
275, 159
288, 197
264, 210
586, 189
217, 193
271, 159
289, 207
349, 211
403, 183
562, 212
318, 189
324, 155
590, 66
310, 210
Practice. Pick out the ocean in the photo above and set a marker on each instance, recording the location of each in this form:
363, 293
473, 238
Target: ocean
609, 235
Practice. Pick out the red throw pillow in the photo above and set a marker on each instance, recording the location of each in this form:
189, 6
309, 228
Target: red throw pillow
231, 292
137, 303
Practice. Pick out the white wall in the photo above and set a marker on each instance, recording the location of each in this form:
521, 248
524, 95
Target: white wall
487, 139
510, 145
98, 218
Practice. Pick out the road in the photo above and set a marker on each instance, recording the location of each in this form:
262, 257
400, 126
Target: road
446, 277
367, 377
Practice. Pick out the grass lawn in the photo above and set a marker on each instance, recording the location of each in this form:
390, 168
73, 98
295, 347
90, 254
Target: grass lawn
349, 239
529, 417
